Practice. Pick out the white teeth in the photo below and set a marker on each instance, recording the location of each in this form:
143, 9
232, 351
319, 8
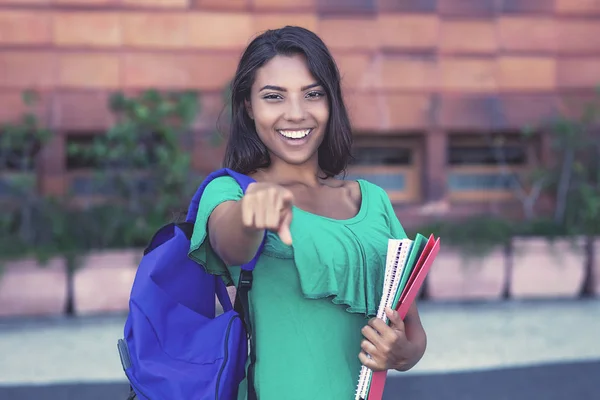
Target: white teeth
295, 134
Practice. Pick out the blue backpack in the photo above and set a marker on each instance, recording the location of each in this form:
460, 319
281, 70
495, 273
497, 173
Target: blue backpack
175, 347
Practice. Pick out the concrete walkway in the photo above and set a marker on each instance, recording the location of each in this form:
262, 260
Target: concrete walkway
469, 337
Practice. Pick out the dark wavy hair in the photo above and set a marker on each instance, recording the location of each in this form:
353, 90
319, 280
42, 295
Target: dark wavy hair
245, 152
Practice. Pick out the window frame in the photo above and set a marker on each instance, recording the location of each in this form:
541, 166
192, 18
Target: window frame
470, 139
412, 174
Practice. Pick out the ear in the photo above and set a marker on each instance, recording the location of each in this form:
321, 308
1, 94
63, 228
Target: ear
248, 106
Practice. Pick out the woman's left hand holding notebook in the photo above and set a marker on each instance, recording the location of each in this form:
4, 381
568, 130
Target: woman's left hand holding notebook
387, 346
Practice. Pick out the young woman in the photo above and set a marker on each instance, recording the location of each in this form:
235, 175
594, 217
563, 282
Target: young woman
318, 281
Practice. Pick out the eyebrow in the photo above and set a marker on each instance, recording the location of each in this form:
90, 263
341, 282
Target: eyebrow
280, 89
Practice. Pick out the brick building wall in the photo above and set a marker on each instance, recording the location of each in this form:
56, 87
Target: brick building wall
416, 73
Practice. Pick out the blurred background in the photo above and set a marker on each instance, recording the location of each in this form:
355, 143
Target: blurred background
479, 118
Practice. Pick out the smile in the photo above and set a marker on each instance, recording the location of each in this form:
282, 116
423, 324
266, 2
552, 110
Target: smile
294, 134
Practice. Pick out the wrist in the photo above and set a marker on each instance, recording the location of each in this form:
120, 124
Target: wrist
413, 356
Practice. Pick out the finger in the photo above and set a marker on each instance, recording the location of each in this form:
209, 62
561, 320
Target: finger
386, 333
273, 213
284, 229
368, 347
288, 199
372, 335
370, 363
247, 213
380, 326
396, 321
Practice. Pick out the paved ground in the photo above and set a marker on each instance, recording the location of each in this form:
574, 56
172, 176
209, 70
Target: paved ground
513, 350
569, 381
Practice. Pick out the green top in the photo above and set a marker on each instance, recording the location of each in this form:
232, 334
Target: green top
309, 302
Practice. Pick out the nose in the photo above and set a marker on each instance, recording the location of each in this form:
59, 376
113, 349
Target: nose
295, 110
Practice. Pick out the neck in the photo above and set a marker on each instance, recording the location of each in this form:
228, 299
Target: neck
307, 173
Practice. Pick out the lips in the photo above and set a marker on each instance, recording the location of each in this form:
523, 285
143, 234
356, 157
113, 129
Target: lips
295, 134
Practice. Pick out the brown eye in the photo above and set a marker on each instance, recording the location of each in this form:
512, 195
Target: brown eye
315, 95
272, 97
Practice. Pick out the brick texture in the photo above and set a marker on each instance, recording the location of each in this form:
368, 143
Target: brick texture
87, 29
91, 3
25, 27
418, 64
467, 7
51, 158
578, 36
221, 4
527, 34
207, 155
166, 30
408, 111
263, 22
212, 104
81, 110
528, 109
297, 5
202, 30
341, 7
13, 107
141, 70
366, 110
582, 7
528, 6
25, 2
408, 73
358, 70
220, 30
85, 70
350, 33
527, 73
168, 71
408, 31
578, 72
468, 74
158, 3
415, 6
35, 69
468, 36
465, 111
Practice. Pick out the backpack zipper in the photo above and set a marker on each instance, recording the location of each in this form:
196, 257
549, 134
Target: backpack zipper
126, 363
226, 356
137, 388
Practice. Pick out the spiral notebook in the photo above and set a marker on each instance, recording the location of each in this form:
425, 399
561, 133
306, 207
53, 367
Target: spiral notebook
407, 263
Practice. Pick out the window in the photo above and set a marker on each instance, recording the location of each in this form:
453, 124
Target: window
394, 163
18, 158
485, 167
99, 174
80, 168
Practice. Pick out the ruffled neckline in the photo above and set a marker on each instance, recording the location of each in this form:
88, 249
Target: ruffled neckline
340, 259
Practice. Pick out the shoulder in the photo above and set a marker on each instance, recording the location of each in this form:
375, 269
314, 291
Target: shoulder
375, 192
225, 182
380, 205
221, 189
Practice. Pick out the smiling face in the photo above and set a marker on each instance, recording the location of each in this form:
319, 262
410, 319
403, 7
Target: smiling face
290, 110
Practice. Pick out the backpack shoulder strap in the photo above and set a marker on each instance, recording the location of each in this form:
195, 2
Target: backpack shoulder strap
244, 181
241, 179
245, 281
